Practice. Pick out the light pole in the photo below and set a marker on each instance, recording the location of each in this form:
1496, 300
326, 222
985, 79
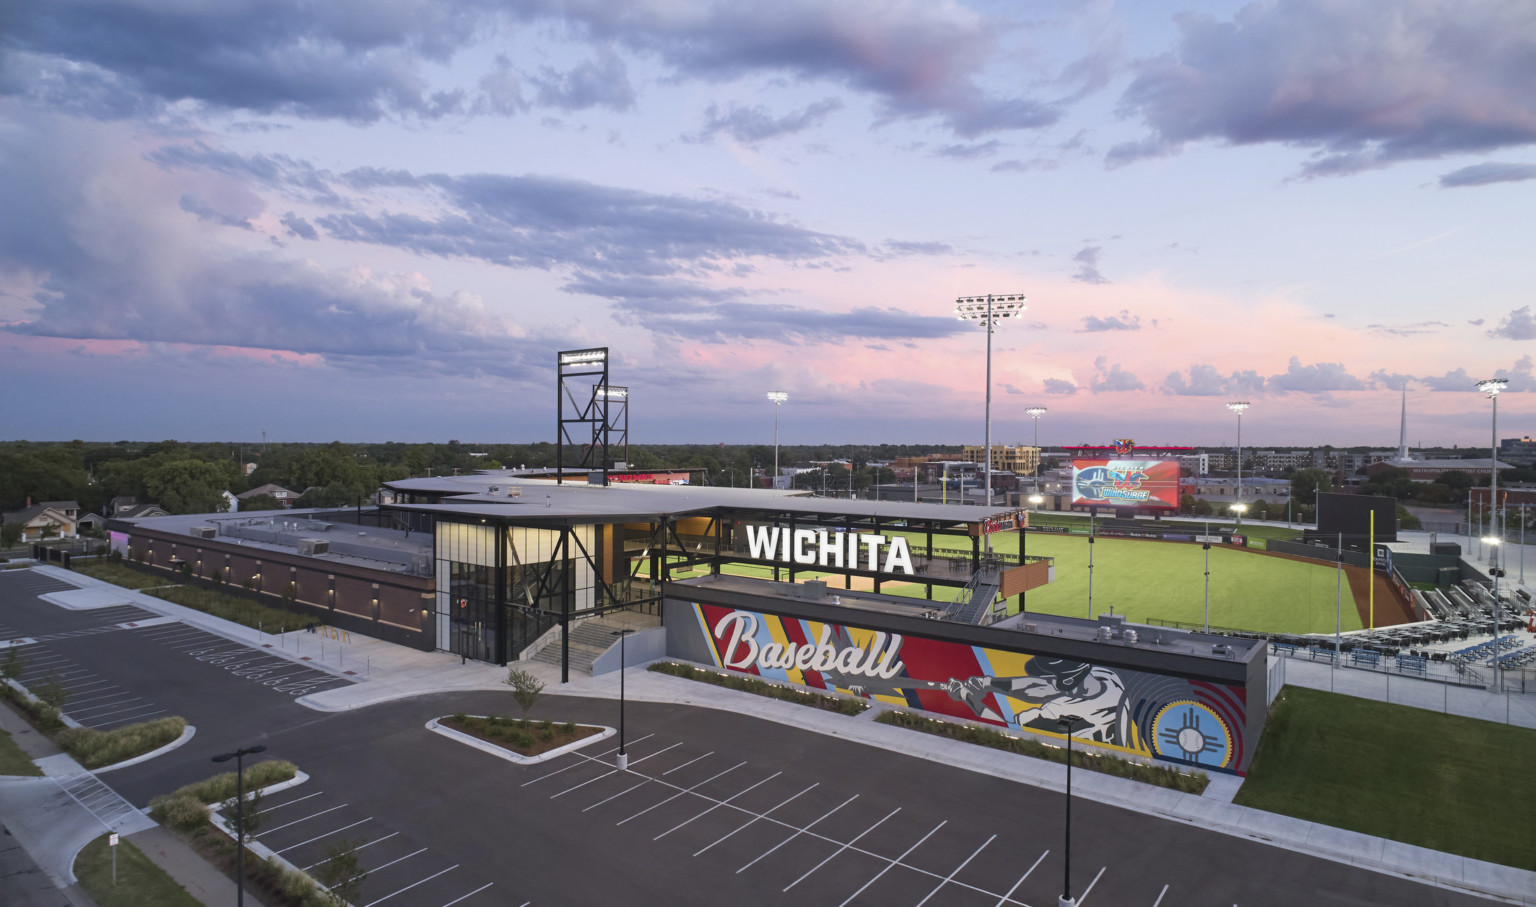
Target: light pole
1492, 387
1065, 724
777, 398
1239, 509
988, 310
1035, 412
239, 757
623, 760
1035, 501
1237, 407
1207, 546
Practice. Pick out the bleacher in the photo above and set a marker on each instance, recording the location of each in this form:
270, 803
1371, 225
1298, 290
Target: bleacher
1516, 659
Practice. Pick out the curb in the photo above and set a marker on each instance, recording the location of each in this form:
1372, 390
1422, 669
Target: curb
186, 735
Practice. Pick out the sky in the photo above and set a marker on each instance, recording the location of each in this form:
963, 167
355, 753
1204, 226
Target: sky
370, 220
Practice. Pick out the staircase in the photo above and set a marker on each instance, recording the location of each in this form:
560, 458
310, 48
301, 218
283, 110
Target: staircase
974, 603
589, 639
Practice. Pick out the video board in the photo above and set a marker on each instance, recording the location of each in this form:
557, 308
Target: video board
1126, 483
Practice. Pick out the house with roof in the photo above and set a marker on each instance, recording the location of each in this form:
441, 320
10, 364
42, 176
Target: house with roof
47, 520
284, 496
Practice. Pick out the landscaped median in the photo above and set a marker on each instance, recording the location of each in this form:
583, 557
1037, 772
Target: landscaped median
1161, 775
94, 749
846, 705
518, 739
209, 601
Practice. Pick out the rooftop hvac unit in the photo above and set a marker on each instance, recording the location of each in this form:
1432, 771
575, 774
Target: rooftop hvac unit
314, 547
421, 564
205, 532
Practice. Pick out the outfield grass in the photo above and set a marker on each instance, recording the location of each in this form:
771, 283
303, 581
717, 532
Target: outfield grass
1440, 781
1166, 580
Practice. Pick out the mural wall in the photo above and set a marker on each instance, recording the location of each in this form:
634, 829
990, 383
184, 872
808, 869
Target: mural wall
1180, 720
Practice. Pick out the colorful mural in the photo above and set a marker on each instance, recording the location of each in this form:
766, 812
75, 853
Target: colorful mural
1155, 715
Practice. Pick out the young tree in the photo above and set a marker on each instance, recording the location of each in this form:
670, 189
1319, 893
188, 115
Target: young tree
341, 875
248, 819
525, 688
51, 692
14, 665
10, 534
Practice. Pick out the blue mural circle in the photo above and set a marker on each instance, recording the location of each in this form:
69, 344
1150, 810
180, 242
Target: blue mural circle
1192, 732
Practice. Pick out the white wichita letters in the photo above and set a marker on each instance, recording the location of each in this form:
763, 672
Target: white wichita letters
822, 549
742, 651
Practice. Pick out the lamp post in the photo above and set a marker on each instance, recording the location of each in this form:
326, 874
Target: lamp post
1207, 546
777, 398
988, 310
1492, 387
1035, 500
1035, 412
1065, 724
239, 757
1237, 407
623, 760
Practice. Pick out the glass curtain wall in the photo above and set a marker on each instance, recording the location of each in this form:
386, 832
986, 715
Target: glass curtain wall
469, 616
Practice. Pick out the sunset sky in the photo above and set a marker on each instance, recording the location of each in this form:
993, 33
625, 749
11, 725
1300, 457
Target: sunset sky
370, 220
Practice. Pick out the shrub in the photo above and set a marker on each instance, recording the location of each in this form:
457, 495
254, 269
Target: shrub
525, 688
93, 748
569, 727
842, 704
180, 810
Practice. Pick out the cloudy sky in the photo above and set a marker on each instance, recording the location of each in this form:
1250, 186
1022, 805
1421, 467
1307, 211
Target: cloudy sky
380, 219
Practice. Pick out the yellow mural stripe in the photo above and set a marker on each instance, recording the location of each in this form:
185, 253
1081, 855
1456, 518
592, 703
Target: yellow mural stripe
775, 626
709, 639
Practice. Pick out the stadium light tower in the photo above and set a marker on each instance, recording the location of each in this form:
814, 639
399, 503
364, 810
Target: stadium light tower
988, 310
1035, 412
1492, 387
777, 398
1237, 407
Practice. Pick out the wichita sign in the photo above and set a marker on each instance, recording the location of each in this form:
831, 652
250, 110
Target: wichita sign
820, 548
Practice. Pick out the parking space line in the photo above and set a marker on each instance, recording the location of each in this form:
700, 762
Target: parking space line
60, 674
895, 862
755, 818
111, 709
834, 854
956, 872
326, 835
585, 783
144, 717
584, 756
617, 795
412, 885
688, 763
1160, 896
1009, 896
1095, 881
682, 792
267, 809
475, 892
389, 864
76, 687
359, 847
798, 833
297, 821
104, 695
716, 806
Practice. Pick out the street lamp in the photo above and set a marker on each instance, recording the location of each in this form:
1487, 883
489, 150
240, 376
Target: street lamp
1238, 407
1065, 724
623, 760
1495, 572
239, 757
988, 310
1035, 412
1035, 501
777, 398
1207, 546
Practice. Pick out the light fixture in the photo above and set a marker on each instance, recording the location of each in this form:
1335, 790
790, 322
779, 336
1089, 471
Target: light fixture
1238, 508
612, 391
777, 398
988, 310
583, 357
1036, 499
1492, 386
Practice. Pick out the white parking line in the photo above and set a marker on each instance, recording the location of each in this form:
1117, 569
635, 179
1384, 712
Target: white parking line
582, 761
61, 674
77, 687
1009, 896
617, 795
297, 821
894, 862
681, 792
102, 695
1095, 881
798, 833
109, 708
754, 819
833, 855
389, 864
144, 717
326, 835
475, 892
716, 806
412, 885
359, 847
957, 870
266, 809
688, 763
585, 783
1160, 896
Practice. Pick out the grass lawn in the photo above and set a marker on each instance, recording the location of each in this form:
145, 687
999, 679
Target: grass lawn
14, 761
1165, 580
117, 574
1440, 781
139, 881
240, 610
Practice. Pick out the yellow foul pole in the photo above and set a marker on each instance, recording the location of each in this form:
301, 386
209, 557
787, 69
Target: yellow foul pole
1370, 572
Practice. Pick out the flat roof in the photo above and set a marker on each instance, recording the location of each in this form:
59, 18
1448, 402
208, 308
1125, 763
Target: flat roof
537, 500
377, 547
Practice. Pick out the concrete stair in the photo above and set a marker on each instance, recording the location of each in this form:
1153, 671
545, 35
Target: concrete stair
589, 639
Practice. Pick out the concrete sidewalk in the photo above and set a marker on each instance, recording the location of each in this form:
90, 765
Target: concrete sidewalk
395, 672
